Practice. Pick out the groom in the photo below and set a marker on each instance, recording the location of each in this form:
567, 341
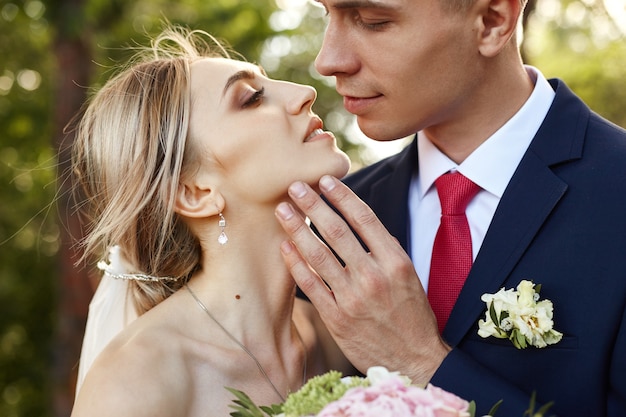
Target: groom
547, 206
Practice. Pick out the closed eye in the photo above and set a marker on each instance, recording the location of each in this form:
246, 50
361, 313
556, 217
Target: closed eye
255, 98
371, 19
376, 26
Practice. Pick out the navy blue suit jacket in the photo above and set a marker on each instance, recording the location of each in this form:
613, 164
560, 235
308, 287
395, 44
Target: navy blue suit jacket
561, 223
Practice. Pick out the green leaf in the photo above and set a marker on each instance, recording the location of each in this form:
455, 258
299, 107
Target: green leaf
530, 412
493, 315
245, 407
472, 408
518, 339
272, 410
544, 409
494, 408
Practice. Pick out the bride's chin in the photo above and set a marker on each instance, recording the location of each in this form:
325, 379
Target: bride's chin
343, 166
339, 168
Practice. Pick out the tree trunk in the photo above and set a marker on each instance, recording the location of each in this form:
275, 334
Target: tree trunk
75, 287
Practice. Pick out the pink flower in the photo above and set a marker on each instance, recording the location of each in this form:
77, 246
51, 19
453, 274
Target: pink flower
392, 398
448, 403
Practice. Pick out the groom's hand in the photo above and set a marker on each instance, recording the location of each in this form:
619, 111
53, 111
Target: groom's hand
374, 306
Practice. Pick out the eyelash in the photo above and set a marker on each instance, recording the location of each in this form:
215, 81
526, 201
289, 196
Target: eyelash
370, 26
255, 98
374, 27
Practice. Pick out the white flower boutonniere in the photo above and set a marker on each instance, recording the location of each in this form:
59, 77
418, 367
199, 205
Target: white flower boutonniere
519, 316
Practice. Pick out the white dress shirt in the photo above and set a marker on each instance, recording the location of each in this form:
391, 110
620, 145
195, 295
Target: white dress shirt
491, 166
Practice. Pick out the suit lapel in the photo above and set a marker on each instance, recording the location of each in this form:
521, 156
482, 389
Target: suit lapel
390, 205
530, 197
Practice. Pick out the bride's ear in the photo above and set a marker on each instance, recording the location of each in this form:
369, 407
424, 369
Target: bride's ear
197, 201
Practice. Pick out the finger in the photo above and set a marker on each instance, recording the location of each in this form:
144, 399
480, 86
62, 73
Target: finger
307, 279
329, 224
359, 216
312, 250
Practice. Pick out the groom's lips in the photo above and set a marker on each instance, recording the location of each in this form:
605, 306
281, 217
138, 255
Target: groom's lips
358, 105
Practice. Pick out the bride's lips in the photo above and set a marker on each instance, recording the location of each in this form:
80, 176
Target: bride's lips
356, 105
314, 134
315, 131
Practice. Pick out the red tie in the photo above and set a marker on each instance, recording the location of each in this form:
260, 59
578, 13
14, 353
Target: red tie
452, 250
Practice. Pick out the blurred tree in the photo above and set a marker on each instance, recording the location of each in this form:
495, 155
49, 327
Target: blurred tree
28, 234
583, 43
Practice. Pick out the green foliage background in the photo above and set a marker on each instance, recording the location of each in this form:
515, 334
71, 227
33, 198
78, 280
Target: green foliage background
28, 233
581, 43
32, 34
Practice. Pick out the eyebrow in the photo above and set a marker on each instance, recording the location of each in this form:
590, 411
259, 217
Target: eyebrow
359, 4
242, 75
238, 76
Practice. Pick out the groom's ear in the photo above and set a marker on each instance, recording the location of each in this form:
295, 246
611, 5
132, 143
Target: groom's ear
496, 24
197, 200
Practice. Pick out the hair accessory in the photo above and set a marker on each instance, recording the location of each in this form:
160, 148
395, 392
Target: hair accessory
222, 239
115, 269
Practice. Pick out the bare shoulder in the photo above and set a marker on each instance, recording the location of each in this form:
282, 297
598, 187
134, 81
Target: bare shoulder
141, 373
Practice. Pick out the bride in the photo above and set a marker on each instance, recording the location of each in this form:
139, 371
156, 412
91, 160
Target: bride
181, 160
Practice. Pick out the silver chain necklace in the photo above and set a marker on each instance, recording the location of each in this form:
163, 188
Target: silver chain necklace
245, 349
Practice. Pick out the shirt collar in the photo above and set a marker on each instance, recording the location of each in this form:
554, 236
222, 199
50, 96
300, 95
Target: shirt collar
493, 163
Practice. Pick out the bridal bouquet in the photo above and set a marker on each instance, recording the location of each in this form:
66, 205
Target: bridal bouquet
381, 394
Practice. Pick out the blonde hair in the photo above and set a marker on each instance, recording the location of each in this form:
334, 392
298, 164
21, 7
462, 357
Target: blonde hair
129, 154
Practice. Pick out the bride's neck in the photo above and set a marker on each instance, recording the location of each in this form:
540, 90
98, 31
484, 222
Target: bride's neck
245, 281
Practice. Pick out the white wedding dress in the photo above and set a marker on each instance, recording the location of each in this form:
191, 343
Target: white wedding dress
110, 311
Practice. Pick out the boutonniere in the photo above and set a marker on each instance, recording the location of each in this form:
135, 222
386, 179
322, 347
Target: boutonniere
519, 316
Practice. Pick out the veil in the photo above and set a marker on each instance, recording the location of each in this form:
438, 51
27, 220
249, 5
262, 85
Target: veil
110, 311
